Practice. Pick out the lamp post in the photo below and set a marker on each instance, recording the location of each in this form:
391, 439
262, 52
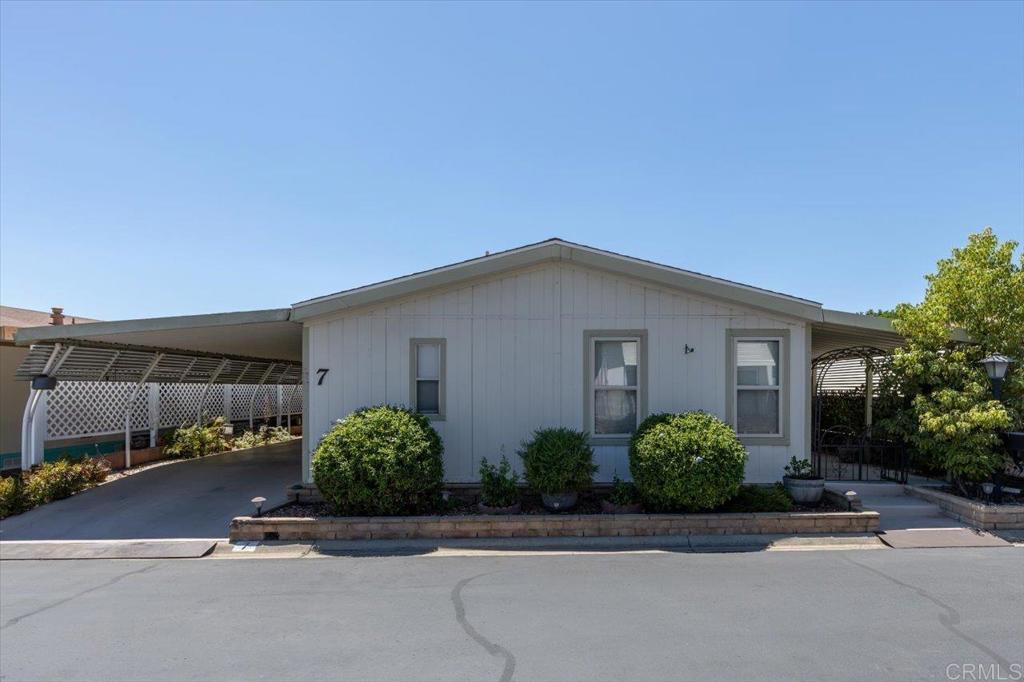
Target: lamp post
996, 366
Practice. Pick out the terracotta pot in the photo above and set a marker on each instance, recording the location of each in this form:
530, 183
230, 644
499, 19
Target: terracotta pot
500, 511
610, 508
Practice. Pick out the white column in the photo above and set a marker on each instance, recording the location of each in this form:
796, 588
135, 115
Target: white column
39, 427
154, 413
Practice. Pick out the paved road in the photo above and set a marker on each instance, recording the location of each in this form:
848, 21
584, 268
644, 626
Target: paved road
835, 615
193, 499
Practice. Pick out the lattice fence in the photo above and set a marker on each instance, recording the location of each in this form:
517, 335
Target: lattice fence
78, 409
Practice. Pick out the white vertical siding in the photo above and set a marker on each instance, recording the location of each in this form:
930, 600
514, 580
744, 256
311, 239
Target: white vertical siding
514, 360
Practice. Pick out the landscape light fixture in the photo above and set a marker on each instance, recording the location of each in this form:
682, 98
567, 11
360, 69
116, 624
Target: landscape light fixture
996, 366
258, 501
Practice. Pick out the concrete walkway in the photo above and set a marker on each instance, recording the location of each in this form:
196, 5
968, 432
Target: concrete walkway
191, 499
898, 510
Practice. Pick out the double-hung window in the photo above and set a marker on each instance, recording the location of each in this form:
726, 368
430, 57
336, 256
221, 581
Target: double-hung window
427, 365
758, 382
615, 391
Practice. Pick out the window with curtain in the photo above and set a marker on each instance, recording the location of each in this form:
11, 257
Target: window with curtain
427, 377
758, 388
616, 385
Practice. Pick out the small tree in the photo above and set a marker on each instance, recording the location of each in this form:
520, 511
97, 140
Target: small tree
948, 412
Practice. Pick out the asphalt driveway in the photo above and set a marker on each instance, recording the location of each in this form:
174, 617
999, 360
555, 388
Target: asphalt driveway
191, 499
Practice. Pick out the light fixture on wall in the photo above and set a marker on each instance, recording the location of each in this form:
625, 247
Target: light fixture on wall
996, 366
687, 349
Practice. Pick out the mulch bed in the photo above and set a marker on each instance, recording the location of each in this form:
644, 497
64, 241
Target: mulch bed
589, 503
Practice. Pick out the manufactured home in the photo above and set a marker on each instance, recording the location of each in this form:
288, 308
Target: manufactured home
549, 334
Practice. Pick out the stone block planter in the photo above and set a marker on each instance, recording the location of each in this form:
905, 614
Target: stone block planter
975, 514
544, 525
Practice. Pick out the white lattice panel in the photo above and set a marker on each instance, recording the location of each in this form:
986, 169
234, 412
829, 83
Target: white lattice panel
294, 406
240, 395
179, 403
87, 408
91, 408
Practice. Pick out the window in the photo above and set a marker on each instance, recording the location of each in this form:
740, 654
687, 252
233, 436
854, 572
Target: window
426, 390
615, 378
758, 386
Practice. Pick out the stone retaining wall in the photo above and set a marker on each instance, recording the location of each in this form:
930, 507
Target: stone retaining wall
976, 514
548, 525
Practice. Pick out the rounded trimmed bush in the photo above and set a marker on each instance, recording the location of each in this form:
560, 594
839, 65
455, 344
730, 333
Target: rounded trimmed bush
558, 460
381, 460
691, 461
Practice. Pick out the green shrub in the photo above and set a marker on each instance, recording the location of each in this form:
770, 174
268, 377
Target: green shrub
63, 478
263, 436
757, 498
197, 440
499, 484
380, 460
558, 460
690, 461
12, 496
623, 493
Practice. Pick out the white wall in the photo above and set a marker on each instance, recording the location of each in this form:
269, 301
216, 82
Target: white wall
514, 360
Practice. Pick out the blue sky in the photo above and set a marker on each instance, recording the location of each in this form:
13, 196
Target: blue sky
160, 159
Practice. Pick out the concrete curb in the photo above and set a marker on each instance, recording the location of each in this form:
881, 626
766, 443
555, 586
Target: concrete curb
545, 546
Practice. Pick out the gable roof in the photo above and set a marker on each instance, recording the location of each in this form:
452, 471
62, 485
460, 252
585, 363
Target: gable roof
559, 250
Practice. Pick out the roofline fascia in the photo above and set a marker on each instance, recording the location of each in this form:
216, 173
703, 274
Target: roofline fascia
26, 336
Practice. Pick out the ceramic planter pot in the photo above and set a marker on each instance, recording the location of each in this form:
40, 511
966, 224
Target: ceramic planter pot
806, 491
559, 501
500, 511
610, 508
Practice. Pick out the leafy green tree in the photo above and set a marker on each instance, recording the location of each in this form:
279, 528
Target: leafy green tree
974, 306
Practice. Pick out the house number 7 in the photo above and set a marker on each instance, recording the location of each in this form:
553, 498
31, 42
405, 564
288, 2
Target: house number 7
323, 373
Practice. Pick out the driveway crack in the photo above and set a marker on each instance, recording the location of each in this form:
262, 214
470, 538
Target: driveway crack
950, 617
65, 600
491, 648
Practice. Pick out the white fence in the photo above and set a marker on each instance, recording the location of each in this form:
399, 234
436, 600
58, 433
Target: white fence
79, 409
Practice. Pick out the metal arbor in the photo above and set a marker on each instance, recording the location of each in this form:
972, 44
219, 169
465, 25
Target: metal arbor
840, 451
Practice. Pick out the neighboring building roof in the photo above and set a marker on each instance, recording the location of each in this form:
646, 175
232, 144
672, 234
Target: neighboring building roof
561, 250
12, 319
24, 317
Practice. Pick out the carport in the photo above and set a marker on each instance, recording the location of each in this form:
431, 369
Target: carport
252, 349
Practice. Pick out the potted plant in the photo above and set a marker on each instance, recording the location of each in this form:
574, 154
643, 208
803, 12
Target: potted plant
499, 488
624, 499
558, 463
802, 484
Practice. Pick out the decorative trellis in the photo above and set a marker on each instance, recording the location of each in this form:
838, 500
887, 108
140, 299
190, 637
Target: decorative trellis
79, 409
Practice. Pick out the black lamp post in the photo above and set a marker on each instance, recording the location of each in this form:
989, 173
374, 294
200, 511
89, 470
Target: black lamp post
996, 366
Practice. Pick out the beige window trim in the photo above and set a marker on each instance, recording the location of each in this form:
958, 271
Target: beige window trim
589, 337
442, 382
785, 381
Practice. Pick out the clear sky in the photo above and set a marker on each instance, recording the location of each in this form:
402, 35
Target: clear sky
161, 159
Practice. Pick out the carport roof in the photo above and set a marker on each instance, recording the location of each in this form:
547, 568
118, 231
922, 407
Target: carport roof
254, 335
